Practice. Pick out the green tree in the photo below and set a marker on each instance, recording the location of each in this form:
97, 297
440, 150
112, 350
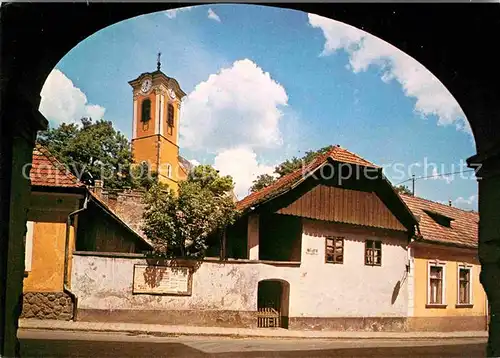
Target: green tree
287, 167
403, 189
261, 182
96, 148
179, 224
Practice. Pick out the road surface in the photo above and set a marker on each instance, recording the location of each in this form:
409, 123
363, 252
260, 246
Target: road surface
37, 343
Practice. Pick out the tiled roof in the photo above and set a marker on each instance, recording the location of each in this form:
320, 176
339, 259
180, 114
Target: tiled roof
463, 230
47, 171
337, 154
185, 164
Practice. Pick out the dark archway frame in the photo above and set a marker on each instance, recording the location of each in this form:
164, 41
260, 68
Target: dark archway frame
455, 42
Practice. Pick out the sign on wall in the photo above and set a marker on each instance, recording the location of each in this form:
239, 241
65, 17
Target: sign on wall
162, 280
310, 251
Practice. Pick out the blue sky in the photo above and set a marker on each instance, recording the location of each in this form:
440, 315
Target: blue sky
265, 84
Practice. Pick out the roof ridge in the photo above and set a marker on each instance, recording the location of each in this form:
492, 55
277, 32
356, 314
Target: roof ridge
356, 155
281, 183
438, 203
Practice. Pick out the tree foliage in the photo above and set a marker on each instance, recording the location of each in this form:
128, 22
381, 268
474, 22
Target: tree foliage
403, 189
180, 223
96, 148
288, 166
261, 182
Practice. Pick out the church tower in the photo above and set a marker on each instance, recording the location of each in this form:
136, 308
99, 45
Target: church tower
155, 132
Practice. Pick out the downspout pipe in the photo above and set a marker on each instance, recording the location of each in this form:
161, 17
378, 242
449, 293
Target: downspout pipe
66, 256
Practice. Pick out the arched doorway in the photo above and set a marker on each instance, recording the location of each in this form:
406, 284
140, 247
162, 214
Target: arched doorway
273, 300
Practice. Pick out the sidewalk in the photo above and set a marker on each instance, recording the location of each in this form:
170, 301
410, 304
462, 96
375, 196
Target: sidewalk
175, 330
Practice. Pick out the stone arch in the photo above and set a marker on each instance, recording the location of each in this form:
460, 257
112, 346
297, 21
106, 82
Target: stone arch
439, 46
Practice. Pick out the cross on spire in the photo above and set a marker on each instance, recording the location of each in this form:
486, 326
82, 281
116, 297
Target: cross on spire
158, 63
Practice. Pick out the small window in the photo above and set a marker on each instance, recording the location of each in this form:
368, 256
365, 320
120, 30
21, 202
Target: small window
464, 286
146, 110
170, 118
334, 252
436, 278
169, 171
373, 253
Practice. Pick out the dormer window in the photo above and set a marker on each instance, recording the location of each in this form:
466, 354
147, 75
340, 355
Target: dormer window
146, 110
441, 219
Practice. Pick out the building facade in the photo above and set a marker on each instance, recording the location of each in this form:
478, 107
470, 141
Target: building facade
63, 216
446, 294
155, 125
314, 253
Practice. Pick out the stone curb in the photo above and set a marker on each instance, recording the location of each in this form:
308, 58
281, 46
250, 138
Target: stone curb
173, 332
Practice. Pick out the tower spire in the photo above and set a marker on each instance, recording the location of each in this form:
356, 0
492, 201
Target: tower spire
158, 63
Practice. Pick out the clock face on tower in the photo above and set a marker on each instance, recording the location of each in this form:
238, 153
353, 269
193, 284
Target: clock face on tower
146, 85
171, 93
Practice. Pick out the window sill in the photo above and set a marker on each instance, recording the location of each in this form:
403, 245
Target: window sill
435, 305
464, 305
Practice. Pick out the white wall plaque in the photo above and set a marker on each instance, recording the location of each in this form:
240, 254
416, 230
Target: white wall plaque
162, 280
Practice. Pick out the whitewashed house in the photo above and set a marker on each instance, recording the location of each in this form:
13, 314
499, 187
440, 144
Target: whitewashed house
324, 247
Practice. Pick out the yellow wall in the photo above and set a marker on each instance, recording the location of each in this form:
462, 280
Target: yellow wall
452, 258
148, 128
49, 213
146, 142
145, 149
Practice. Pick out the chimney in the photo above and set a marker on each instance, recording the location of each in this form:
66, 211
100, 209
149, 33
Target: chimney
449, 202
98, 186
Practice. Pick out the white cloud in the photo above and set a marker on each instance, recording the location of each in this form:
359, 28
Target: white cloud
212, 15
466, 203
61, 101
241, 163
194, 162
432, 98
171, 14
238, 106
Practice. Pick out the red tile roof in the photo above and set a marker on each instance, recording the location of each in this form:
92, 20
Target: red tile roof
337, 154
47, 171
463, 230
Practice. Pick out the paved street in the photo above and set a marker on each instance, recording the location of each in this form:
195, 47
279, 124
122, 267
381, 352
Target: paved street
37, 343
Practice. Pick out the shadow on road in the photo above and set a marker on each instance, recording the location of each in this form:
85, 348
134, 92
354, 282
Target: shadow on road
64, 348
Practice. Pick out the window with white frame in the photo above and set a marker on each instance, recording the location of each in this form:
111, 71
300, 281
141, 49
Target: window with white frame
169, 170
373, 253
464, 285
436, 284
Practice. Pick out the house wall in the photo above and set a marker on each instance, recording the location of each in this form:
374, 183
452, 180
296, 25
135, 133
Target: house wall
43, 295
451, 316
322, 296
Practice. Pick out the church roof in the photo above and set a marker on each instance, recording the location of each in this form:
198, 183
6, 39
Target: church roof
185, 164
